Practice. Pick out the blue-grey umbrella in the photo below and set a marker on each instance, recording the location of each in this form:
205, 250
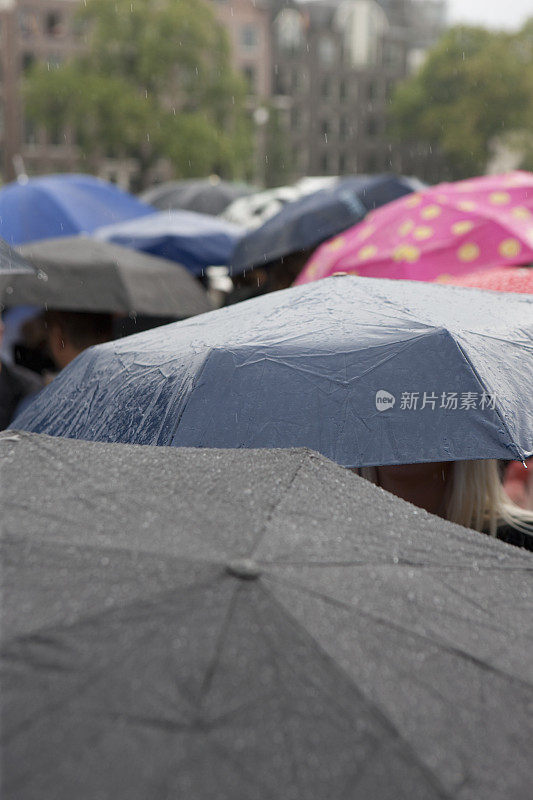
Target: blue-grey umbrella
196, 241
365, 371
305, 223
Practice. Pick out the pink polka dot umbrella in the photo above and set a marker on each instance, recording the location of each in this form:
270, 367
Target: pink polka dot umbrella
497, 279
448, 229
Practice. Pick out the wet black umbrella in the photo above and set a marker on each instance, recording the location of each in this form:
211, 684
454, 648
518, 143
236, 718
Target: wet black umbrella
251, 624
11, 264
207, 196
82, 274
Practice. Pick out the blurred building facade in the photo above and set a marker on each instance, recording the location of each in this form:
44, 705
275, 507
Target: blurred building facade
336, 64
322, 70
33, 30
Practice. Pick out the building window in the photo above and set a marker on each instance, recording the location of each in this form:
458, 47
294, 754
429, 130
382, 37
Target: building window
54, 25
249, 37
326, 51
250, 77
343, 129
295, 118
326, 87
289, 30
372, 90
342, 90
30, 132
371, 126
28, 60
28, 23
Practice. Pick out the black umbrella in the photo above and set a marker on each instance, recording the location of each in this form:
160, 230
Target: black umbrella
251, 624
83, 274
207, 196
11, 264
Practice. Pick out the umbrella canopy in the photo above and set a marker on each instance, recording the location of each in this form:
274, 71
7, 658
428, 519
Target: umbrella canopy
305, 223
81, 274
12, 264
449, 229
365, 371
248, 626
502, 279
63, 205
195, 240
254, 209
209, 196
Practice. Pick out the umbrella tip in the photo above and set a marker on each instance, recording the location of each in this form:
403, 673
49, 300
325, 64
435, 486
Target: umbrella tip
244, 568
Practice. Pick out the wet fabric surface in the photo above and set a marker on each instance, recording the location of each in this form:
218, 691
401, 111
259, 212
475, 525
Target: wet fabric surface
365, 371
379, 652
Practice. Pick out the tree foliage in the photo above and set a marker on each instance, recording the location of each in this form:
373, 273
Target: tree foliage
153, 80
474, 86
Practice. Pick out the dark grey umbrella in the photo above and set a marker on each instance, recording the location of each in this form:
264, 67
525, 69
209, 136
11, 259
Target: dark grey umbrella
251, 625
207, 196
82, 274
11, 264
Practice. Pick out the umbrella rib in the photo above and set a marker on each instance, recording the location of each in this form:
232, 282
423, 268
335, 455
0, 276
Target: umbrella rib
211, 669
50, 540
286, 734
521, 455
403, 629
371, 705
76, 691
270, 513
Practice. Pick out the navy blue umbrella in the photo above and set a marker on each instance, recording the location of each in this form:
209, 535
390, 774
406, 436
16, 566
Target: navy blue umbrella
63, 205
305, 223
365, 371
194, 240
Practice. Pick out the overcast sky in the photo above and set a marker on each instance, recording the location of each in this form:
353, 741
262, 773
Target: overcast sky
509, 14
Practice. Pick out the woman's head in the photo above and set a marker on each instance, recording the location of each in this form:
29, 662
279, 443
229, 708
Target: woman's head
469, 493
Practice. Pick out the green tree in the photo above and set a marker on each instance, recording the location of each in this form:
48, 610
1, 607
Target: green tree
153, 80
277, 169
474, 86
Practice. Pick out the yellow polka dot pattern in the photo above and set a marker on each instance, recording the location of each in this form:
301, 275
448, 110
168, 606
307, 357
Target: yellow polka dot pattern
406, 252
336, 243
406, 227
431, 212
365, 232
423, 232
509, 248
466, 205
468, 252
499, 198
520, 212
367, 252
463, 226
413, 200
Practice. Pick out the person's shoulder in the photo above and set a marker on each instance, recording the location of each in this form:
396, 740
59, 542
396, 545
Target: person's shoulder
25, 380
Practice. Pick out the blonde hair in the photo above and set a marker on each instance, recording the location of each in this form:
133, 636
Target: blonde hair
476, 497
